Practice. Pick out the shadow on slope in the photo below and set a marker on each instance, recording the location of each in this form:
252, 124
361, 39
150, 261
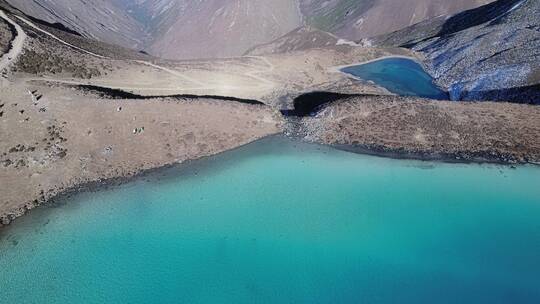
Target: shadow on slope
477, 16
309, 103
486, 53
439, 27
59, 26
517, 95
120, 94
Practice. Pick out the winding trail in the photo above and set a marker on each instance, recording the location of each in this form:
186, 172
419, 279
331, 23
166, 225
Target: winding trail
202, 85
260, 82
30, 24
17, 43
175, 73
270, 68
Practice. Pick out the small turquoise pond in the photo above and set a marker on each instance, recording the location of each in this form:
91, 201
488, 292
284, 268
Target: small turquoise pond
400, 76
284, 222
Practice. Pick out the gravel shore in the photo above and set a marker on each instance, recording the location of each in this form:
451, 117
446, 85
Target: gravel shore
54, 139
424, 129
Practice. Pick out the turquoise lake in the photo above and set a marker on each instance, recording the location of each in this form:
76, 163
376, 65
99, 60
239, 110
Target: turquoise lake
400, 76
279, 221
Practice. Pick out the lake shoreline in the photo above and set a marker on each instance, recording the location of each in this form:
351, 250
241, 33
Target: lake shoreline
105, 183
375, 151
389, 72
384, 126
279, 201
450, 158
416, 128
337, 69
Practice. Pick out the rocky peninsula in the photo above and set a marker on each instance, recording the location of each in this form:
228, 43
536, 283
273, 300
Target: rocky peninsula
425, 129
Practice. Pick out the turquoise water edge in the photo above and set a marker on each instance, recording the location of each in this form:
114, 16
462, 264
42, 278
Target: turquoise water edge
400, 76
279, 221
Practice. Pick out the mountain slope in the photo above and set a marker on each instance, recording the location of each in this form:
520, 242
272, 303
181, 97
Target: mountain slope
98, 19
488, 53
181, 29
355, 19
217, 28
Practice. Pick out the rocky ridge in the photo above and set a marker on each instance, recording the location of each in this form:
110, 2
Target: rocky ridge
488, 53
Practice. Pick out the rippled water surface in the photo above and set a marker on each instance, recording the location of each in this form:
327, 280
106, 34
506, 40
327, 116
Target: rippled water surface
284, 222
400, 76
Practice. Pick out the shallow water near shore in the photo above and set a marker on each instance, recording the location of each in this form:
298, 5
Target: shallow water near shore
279, 221
400, 76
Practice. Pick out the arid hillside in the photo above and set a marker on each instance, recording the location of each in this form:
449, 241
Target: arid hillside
181, 29
219, 28
356, 19
98, 19
302, 38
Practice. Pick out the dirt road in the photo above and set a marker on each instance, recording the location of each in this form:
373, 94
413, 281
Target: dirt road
17, 43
